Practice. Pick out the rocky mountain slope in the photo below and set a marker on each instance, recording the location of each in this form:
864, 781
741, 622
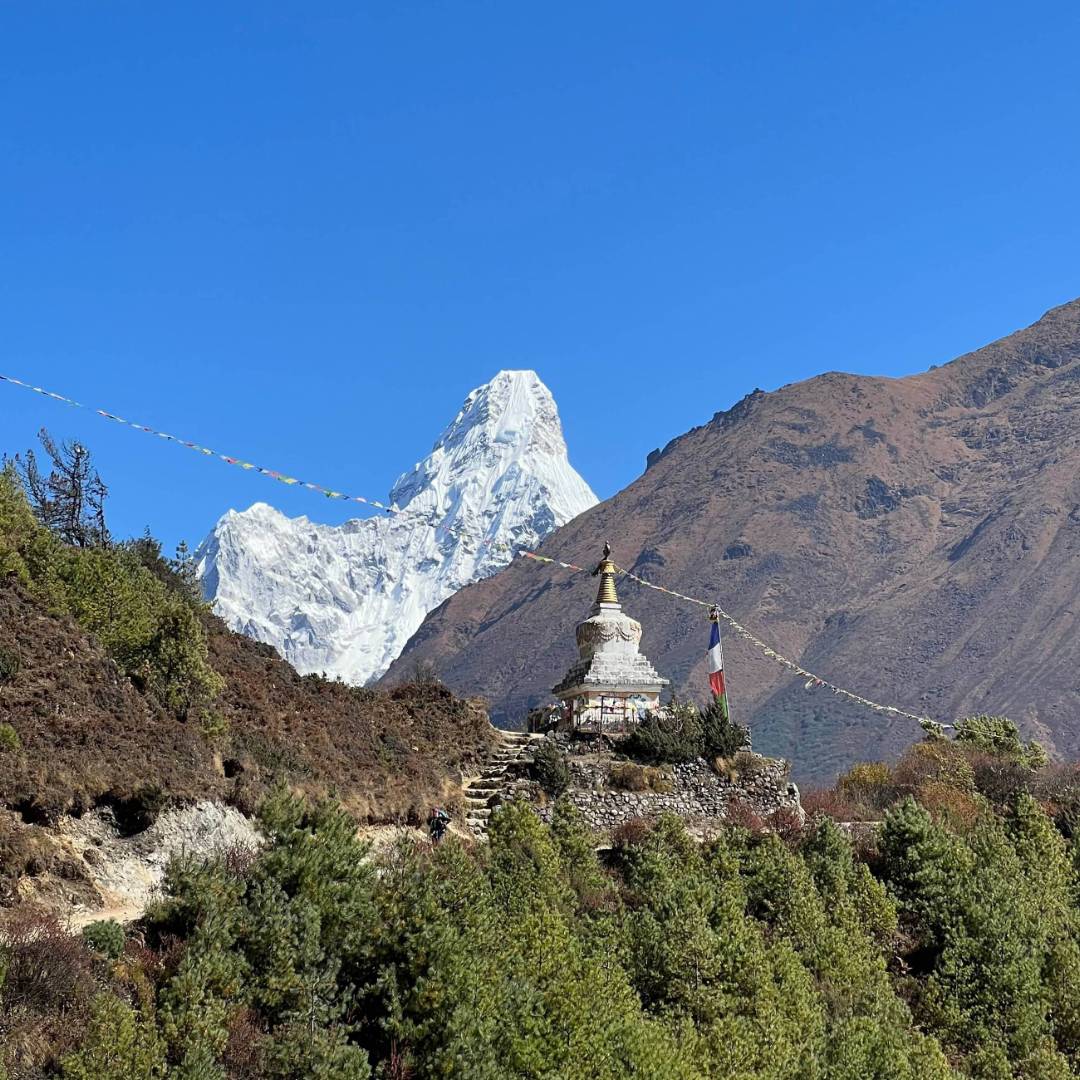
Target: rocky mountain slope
914, 539
345, 599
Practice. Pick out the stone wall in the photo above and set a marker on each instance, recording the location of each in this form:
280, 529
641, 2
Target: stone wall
699, 794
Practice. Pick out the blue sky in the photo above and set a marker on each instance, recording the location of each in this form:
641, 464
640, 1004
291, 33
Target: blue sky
300, 233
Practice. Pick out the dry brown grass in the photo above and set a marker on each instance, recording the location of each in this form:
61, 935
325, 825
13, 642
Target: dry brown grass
629, 776
48, 984
838, 807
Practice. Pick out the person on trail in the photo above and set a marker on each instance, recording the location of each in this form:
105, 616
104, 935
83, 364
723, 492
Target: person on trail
438, 823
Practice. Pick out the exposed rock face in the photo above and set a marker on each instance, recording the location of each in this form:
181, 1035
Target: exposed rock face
345, 599
913, 539
107, 874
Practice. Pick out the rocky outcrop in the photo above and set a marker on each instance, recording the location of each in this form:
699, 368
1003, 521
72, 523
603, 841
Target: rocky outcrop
90, 867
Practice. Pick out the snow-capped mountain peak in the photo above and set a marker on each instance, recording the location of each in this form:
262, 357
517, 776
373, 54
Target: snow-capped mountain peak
344, 599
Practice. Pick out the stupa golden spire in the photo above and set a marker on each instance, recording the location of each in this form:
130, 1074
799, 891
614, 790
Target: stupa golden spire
611, 685
607, 571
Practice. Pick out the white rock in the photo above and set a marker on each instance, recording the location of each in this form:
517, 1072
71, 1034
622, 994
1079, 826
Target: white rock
128, 870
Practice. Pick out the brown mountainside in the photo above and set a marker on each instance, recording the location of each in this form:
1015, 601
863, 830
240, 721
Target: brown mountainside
913, 539
87, 736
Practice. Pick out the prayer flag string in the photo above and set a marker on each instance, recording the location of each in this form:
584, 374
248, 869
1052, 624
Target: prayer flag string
812, 681
248, 466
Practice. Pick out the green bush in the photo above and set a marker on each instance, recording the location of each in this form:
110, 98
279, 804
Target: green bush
213, 725
999, 735
105, 936
722, 737
551, 770
144, 621
18, 529
9, 739
120, 1045
10, 665
667, 738
869, 784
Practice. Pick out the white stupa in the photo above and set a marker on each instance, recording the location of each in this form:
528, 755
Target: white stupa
611, 685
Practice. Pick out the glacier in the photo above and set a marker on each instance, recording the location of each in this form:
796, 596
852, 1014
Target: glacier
344, 599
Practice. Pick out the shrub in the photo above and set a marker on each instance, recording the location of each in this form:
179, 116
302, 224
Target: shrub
628, 776
786, 823
671, 737
425, 673
246, 1044
18, 529
834, 805
999, 735
948, 762
551, 770
120, 1045
948, 805
9, 739
742, 815
239, 859
1000, 777
748, 764
105, 936
213, 725
9, 665
46, 968
996, 734
721, 737
869, 784
631, 833
1059, 787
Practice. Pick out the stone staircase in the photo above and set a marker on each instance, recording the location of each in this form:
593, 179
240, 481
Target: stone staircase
510, 753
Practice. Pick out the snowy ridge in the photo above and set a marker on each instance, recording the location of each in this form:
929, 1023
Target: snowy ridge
344, 599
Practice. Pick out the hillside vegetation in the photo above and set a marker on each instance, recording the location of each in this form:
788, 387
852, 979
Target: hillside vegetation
934, 934
940, 946
119, 687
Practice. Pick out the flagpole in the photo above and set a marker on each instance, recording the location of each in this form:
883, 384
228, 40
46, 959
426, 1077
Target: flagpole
714, 617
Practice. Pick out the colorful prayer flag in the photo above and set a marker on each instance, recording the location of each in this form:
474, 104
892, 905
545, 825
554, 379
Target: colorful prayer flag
716, 661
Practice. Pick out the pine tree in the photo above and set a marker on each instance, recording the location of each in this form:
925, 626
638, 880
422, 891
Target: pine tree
120, 1044
186, 570
721, 737
299, 1050
70, 501
203, 904
441, 980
